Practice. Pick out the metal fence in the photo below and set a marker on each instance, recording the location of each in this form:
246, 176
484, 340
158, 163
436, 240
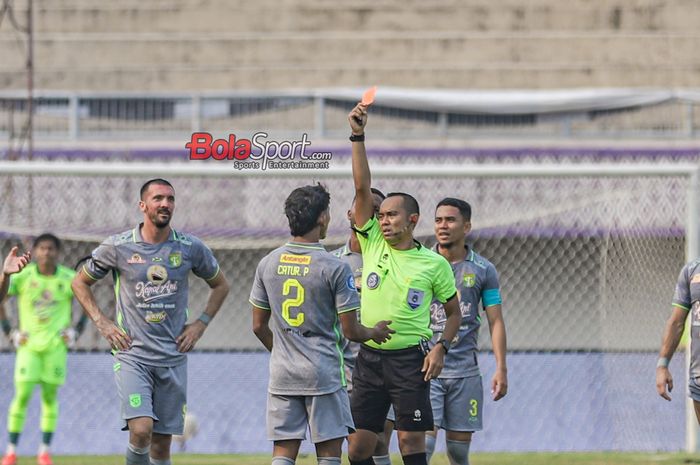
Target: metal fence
148, 116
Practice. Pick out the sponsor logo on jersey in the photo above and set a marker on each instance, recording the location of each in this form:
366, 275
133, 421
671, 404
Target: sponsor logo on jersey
373, 280
175, 259
156, 317
157, 274
469, 280
415, 298
295, 259
156, 259
695, 279
136, 259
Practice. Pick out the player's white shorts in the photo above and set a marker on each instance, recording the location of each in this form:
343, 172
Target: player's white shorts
457, 403
327, 416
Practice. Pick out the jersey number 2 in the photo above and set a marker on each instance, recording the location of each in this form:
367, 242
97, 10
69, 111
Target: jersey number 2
290, 284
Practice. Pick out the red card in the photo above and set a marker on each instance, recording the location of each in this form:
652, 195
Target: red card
368, 96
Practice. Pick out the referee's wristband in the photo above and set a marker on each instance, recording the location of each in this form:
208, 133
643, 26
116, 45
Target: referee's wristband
204, 318
357, 137
662, 362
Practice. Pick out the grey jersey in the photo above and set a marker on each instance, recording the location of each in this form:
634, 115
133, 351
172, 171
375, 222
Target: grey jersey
354, 259
305, 288
687, 297
151, 282
477, 281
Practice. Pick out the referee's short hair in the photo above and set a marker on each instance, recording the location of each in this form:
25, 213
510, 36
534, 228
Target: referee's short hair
303, 207
464, 208
409, 202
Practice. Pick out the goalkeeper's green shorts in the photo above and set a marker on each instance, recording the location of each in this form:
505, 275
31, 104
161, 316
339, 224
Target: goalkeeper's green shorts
48, 366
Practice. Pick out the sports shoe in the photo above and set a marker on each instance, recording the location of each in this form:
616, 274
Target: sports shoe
9, 459
44, 459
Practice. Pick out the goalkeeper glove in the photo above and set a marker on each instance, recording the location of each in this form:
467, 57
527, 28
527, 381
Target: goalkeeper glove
69, 336
18, 338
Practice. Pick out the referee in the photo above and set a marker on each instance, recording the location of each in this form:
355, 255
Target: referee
400, 279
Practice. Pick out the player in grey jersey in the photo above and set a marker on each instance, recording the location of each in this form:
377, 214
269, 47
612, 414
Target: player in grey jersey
686, 298
150, 265
456, 395
300, 295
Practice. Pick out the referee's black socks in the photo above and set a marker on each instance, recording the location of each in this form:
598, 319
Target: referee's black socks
415, 459
367, 461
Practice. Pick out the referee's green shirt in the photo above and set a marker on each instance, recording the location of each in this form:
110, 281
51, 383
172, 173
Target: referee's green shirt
399, 285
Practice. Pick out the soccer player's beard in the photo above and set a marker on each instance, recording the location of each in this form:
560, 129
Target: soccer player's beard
158, 223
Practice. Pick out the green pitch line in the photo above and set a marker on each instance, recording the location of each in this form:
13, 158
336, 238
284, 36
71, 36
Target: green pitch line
593, 458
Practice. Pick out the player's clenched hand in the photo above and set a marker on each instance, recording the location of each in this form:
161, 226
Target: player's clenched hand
663, 379
433, 362
190, 336
117, 338
499, 385
381, 332
358, 119
14, 263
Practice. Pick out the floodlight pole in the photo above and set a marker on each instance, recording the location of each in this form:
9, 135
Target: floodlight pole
30, 80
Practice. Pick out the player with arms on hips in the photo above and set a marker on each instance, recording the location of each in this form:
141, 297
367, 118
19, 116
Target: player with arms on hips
686, 298
457, 394
299, 295
400, 278
44, 302
151, 265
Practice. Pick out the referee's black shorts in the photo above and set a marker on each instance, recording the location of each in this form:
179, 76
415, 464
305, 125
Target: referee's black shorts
390, 377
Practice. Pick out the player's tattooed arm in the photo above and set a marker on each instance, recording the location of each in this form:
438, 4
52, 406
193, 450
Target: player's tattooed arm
115, 336
261, 326
194, 331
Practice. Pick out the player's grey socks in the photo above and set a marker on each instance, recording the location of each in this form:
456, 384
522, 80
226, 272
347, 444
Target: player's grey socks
279, 460
458, 452
429, 447
328, 460
382, 459
160, 461
137, 455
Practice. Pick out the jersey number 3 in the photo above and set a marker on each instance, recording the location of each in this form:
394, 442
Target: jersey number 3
290, 284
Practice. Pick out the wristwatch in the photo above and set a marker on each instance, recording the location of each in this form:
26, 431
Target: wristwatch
445, 344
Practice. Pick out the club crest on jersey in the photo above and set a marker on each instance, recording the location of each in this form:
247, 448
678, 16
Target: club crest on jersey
135, 400
157, 274
351, 283
136, 259
175, 259
415, 298
373, 280
469, 280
